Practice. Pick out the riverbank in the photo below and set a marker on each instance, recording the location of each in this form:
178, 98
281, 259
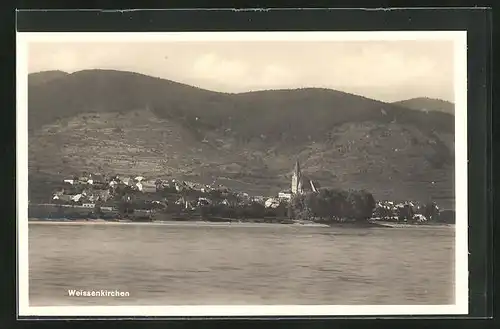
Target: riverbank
169, 223
406, 225
368, 224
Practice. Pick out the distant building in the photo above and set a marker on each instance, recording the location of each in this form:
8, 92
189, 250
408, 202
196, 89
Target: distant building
272, 203
138, 186
125, 180
149, 186
297, 179
97, 179
287, 195
259, 199
62, 197
83, 178
76, 197
300, 183
204, 202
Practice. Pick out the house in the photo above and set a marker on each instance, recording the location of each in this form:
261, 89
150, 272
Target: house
160, 185
285, 195
272, 203
76, 198
193, 185
204, 202
93, 197
69, 181
138, 186
96, 179
419, 218
185, 203
145, 188
96, 195
258, 198
83, 179
180, 186
59, 193
126, 180
148, 186
62, 197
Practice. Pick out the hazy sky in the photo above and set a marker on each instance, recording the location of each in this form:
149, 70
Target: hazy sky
387, 71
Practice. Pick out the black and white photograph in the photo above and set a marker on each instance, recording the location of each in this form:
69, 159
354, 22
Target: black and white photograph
242, 173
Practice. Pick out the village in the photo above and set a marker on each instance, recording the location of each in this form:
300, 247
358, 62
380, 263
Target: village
122, 197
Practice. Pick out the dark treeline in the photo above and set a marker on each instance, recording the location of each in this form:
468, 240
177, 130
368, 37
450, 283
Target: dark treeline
333, 205
252, 210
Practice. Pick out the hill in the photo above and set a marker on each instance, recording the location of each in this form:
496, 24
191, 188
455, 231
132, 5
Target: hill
130, 123
428, 104
45, 76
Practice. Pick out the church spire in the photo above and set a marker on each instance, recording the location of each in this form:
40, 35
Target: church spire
297, 179
297, 168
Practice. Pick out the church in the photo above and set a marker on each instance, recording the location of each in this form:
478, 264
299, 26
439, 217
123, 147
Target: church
300, 184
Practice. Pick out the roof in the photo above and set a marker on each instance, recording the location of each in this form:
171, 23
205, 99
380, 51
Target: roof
297, 166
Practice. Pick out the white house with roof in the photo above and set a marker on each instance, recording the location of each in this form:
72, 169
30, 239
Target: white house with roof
76, 197
148, 185
285, 195
272, 203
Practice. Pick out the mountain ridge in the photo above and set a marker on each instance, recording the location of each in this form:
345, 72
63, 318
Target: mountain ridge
428, 104
45, 76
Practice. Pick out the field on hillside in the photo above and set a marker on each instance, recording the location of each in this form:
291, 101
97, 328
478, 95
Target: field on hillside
387, 159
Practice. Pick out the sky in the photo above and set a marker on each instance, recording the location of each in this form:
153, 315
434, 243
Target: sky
383, 70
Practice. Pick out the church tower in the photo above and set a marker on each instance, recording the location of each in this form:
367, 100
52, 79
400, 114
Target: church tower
297, 179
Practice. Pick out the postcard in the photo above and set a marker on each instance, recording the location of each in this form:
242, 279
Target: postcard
242, 173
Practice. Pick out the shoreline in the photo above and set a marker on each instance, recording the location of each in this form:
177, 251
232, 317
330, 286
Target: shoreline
406, 225
198, 223
170, 223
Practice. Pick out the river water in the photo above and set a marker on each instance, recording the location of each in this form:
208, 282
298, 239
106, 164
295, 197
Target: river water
273, 264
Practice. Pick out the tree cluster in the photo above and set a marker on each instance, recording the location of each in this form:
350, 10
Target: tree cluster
333, 205
244, 211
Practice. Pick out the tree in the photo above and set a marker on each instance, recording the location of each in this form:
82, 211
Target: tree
125, 208
431, 211
332, 205
405, 212
298, 207
366, 205
256, 210
215, 196
159, 185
